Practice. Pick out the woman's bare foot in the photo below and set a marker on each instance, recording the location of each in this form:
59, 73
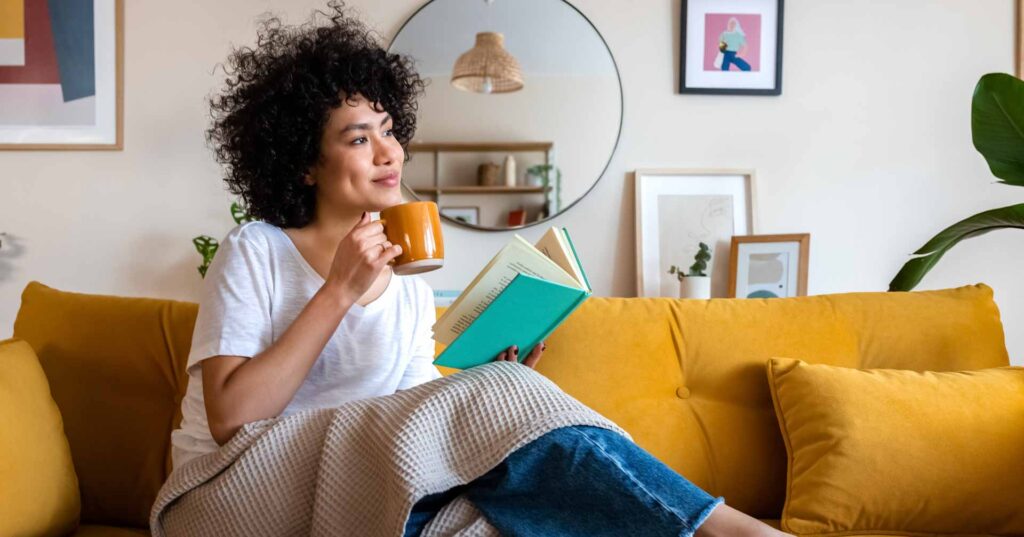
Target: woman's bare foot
725, 521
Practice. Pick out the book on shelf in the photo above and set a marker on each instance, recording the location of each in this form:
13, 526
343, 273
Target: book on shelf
519, 298
517, 217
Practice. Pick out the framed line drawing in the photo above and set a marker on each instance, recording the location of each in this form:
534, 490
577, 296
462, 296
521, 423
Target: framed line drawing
731, 47
676, 210
769, 266
61, 74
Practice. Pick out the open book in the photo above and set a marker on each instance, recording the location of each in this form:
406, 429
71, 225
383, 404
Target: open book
518, 298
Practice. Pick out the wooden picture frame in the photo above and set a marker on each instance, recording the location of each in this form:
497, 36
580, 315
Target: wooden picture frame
803, 258
468, 215
1018, 51
106, 132
700, 205
700, 70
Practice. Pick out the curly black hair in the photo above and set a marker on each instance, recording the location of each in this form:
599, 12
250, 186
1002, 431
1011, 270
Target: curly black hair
268, 121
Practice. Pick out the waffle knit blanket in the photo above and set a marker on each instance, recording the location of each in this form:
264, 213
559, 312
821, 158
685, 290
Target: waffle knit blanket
358, 469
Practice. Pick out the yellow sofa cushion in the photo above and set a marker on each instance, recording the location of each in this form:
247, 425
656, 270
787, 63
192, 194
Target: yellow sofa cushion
901, 452
38, 487
116, 367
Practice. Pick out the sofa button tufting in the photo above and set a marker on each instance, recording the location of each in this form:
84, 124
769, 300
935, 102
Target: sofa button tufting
683, 392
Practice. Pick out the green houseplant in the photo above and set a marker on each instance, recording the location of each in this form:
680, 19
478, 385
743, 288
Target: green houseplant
207, 245
695, 283
544, 171
997, 130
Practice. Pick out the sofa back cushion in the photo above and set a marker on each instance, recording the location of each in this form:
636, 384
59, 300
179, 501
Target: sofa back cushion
687, 377
116, 371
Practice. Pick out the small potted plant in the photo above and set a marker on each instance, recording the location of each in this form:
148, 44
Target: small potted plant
543, 175
695, 283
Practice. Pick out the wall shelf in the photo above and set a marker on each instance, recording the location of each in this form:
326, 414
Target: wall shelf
483, 190
479, 147
536, 199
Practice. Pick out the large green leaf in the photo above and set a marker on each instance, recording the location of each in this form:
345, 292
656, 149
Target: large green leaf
915, 269
997, 125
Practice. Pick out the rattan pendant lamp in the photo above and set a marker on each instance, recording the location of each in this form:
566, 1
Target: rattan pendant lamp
487, 67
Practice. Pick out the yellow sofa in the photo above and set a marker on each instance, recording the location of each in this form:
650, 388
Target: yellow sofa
685, 377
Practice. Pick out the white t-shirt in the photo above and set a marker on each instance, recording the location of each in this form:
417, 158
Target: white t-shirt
257, 284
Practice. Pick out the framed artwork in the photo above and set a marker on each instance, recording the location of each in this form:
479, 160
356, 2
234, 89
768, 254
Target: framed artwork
731, 47
769, 266
676, 210
468, 215
61, 74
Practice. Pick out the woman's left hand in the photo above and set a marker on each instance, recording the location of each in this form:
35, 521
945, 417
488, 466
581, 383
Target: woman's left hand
511, 354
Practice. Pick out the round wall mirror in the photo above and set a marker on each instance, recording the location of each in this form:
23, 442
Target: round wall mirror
521, 114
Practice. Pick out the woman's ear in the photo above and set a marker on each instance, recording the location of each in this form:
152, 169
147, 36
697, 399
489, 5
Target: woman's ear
308, 180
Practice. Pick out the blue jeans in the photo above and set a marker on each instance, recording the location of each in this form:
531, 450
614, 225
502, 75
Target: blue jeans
729, 57
579, 480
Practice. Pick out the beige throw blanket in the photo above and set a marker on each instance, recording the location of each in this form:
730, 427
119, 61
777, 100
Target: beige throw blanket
358, 469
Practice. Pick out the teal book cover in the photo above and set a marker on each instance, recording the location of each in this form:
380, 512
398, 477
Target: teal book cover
523, 314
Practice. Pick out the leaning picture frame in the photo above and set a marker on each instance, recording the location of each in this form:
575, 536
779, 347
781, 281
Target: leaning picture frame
468, 215
62, 75
676, 210
769, 266
731, 47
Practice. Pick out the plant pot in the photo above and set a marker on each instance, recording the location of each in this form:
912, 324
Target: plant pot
695, 287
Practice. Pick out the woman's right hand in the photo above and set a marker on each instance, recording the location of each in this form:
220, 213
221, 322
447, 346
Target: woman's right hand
360, 258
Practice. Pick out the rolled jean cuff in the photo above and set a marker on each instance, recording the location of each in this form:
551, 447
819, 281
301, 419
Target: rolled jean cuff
702, 516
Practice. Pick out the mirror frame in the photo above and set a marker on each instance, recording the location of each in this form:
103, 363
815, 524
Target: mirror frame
611, 154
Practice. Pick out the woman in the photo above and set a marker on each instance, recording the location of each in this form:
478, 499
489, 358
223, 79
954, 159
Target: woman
301, 310
733, 43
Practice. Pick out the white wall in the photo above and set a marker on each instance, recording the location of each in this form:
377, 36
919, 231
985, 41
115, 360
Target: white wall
868, 149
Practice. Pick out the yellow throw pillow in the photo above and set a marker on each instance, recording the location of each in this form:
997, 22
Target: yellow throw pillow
38, 487
898, 452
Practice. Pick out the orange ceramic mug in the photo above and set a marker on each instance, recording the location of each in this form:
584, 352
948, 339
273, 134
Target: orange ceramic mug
416, 227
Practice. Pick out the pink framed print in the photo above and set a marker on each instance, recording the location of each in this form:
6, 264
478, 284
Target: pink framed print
731, 47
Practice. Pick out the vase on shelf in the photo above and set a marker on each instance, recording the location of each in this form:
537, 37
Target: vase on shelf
510, 171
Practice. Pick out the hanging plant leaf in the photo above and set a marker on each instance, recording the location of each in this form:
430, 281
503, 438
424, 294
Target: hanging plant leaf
207, 247
238, 214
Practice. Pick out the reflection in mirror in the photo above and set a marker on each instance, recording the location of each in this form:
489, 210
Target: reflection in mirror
522, 109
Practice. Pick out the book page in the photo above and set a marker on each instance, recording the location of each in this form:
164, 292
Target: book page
518, 256
553, 246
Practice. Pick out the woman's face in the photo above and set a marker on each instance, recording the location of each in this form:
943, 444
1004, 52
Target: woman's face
360, 166
732, 25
